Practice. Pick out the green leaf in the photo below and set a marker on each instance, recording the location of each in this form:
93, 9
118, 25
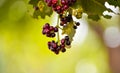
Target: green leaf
114, 2
77, 4
69, 30
93, 8
107, 16
94, 17
43, 10
34, 2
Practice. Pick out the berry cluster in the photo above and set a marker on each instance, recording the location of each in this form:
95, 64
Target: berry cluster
66, 41
65, 19
61, 6
56, 47
49, 31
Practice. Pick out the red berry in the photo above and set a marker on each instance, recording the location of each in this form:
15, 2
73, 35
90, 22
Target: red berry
52, 34
48, 35
54, 2
66, 38
75, 27
55, 29
62, 41
43, 32
63, 50
56, 52
62, 46
66, 7
51, 28
49, 43
54, 45
61, 24
68, 43
47, 31
77, 23
63, 2
47, 25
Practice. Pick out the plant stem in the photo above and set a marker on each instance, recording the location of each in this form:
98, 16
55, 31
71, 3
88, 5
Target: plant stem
60, 28
58, 36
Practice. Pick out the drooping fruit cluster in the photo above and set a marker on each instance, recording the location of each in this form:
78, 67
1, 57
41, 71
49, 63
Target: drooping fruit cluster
66, 19
61, 6
57, 47
49, 31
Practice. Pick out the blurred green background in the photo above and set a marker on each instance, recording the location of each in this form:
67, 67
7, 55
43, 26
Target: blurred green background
23, 48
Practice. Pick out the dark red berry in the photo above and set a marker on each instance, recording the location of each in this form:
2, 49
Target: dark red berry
61, 15
54, 45
47, 25
66, 38
56, 52
63, 2
53, 41
62, 41
63, 50
48, 35
47, 31
77, 23
61, 24
62, 19
52, 34
66, 7
54, 1
58, 48
75, 27
49, 3
55, 29
58, 7
68, 43
62, 45
52, 49
49, 43
51, 28
43, 32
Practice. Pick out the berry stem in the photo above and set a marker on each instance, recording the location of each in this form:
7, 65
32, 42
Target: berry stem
58, 36
60, 28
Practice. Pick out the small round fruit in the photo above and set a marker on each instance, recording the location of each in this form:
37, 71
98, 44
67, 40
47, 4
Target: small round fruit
63, 50
75, 27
